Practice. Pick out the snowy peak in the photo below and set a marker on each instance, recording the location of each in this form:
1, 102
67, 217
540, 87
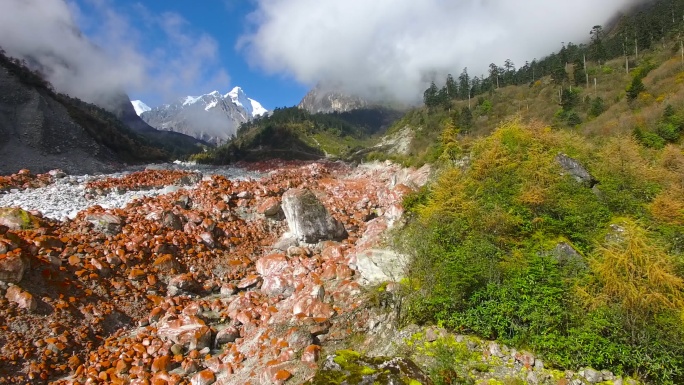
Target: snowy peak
240, 99
140, 107
257, 108
213, 117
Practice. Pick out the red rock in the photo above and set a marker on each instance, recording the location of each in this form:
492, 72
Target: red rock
312, 307
272, 264
332, 251
205, 377
250, 280
12, 267
22, 298
136, 275
282, 376
166, 263
226, 335
269, 207
311, 353
161, 364
49, 242
187, 331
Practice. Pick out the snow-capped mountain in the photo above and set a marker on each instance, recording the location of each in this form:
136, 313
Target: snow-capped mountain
212, 117
238, 97
140, 107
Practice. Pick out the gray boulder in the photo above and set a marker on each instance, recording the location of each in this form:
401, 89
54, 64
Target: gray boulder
308, 219
378, 265
106, 223
575, 168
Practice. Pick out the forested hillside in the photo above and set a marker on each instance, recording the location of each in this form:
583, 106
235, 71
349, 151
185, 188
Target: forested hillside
294, 133
556, 220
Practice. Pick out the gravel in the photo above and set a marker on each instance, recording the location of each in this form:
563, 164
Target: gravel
66, 197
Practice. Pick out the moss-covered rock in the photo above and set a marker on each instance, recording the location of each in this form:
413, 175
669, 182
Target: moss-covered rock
17, 219
350, 367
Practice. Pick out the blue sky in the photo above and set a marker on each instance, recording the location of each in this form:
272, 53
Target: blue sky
158, 25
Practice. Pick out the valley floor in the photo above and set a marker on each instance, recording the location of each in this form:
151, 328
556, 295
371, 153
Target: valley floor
175, 276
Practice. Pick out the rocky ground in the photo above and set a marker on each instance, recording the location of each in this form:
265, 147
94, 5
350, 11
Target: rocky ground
221, 281
268, 274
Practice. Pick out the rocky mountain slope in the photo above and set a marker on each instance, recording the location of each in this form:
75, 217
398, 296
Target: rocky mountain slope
36, 131
324, 100
43, 130
212, 117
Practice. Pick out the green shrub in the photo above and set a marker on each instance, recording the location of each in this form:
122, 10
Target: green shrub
597, 107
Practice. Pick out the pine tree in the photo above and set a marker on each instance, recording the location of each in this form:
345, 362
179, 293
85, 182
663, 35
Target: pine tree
451, 87
430, 97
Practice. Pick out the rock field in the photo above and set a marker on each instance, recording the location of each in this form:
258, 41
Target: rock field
175, 276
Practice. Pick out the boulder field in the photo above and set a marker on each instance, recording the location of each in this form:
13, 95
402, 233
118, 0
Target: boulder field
215, 281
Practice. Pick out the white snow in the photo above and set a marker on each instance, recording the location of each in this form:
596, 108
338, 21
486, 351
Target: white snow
211, 105
238, 97
257, 108
191, 100
140, 107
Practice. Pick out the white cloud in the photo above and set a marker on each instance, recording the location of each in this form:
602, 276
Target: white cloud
46, 32
393, 47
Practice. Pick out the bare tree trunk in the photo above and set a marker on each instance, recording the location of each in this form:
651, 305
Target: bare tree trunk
627, 64
624, 49
636, 48
586, 73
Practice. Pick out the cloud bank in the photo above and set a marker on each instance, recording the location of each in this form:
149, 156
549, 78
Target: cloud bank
46, 33
393, 48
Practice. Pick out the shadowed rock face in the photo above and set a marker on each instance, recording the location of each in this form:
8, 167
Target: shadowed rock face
319, 100
308, 219
36, 132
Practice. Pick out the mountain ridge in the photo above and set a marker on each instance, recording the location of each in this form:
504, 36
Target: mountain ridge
213, 117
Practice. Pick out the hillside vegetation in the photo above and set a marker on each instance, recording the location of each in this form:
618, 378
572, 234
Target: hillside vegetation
556, 220
512, 247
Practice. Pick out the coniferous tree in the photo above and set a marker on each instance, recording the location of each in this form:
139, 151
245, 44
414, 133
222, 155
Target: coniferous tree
430, 96
451, 87
464, 84
494, 74
597, 48
509, 69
